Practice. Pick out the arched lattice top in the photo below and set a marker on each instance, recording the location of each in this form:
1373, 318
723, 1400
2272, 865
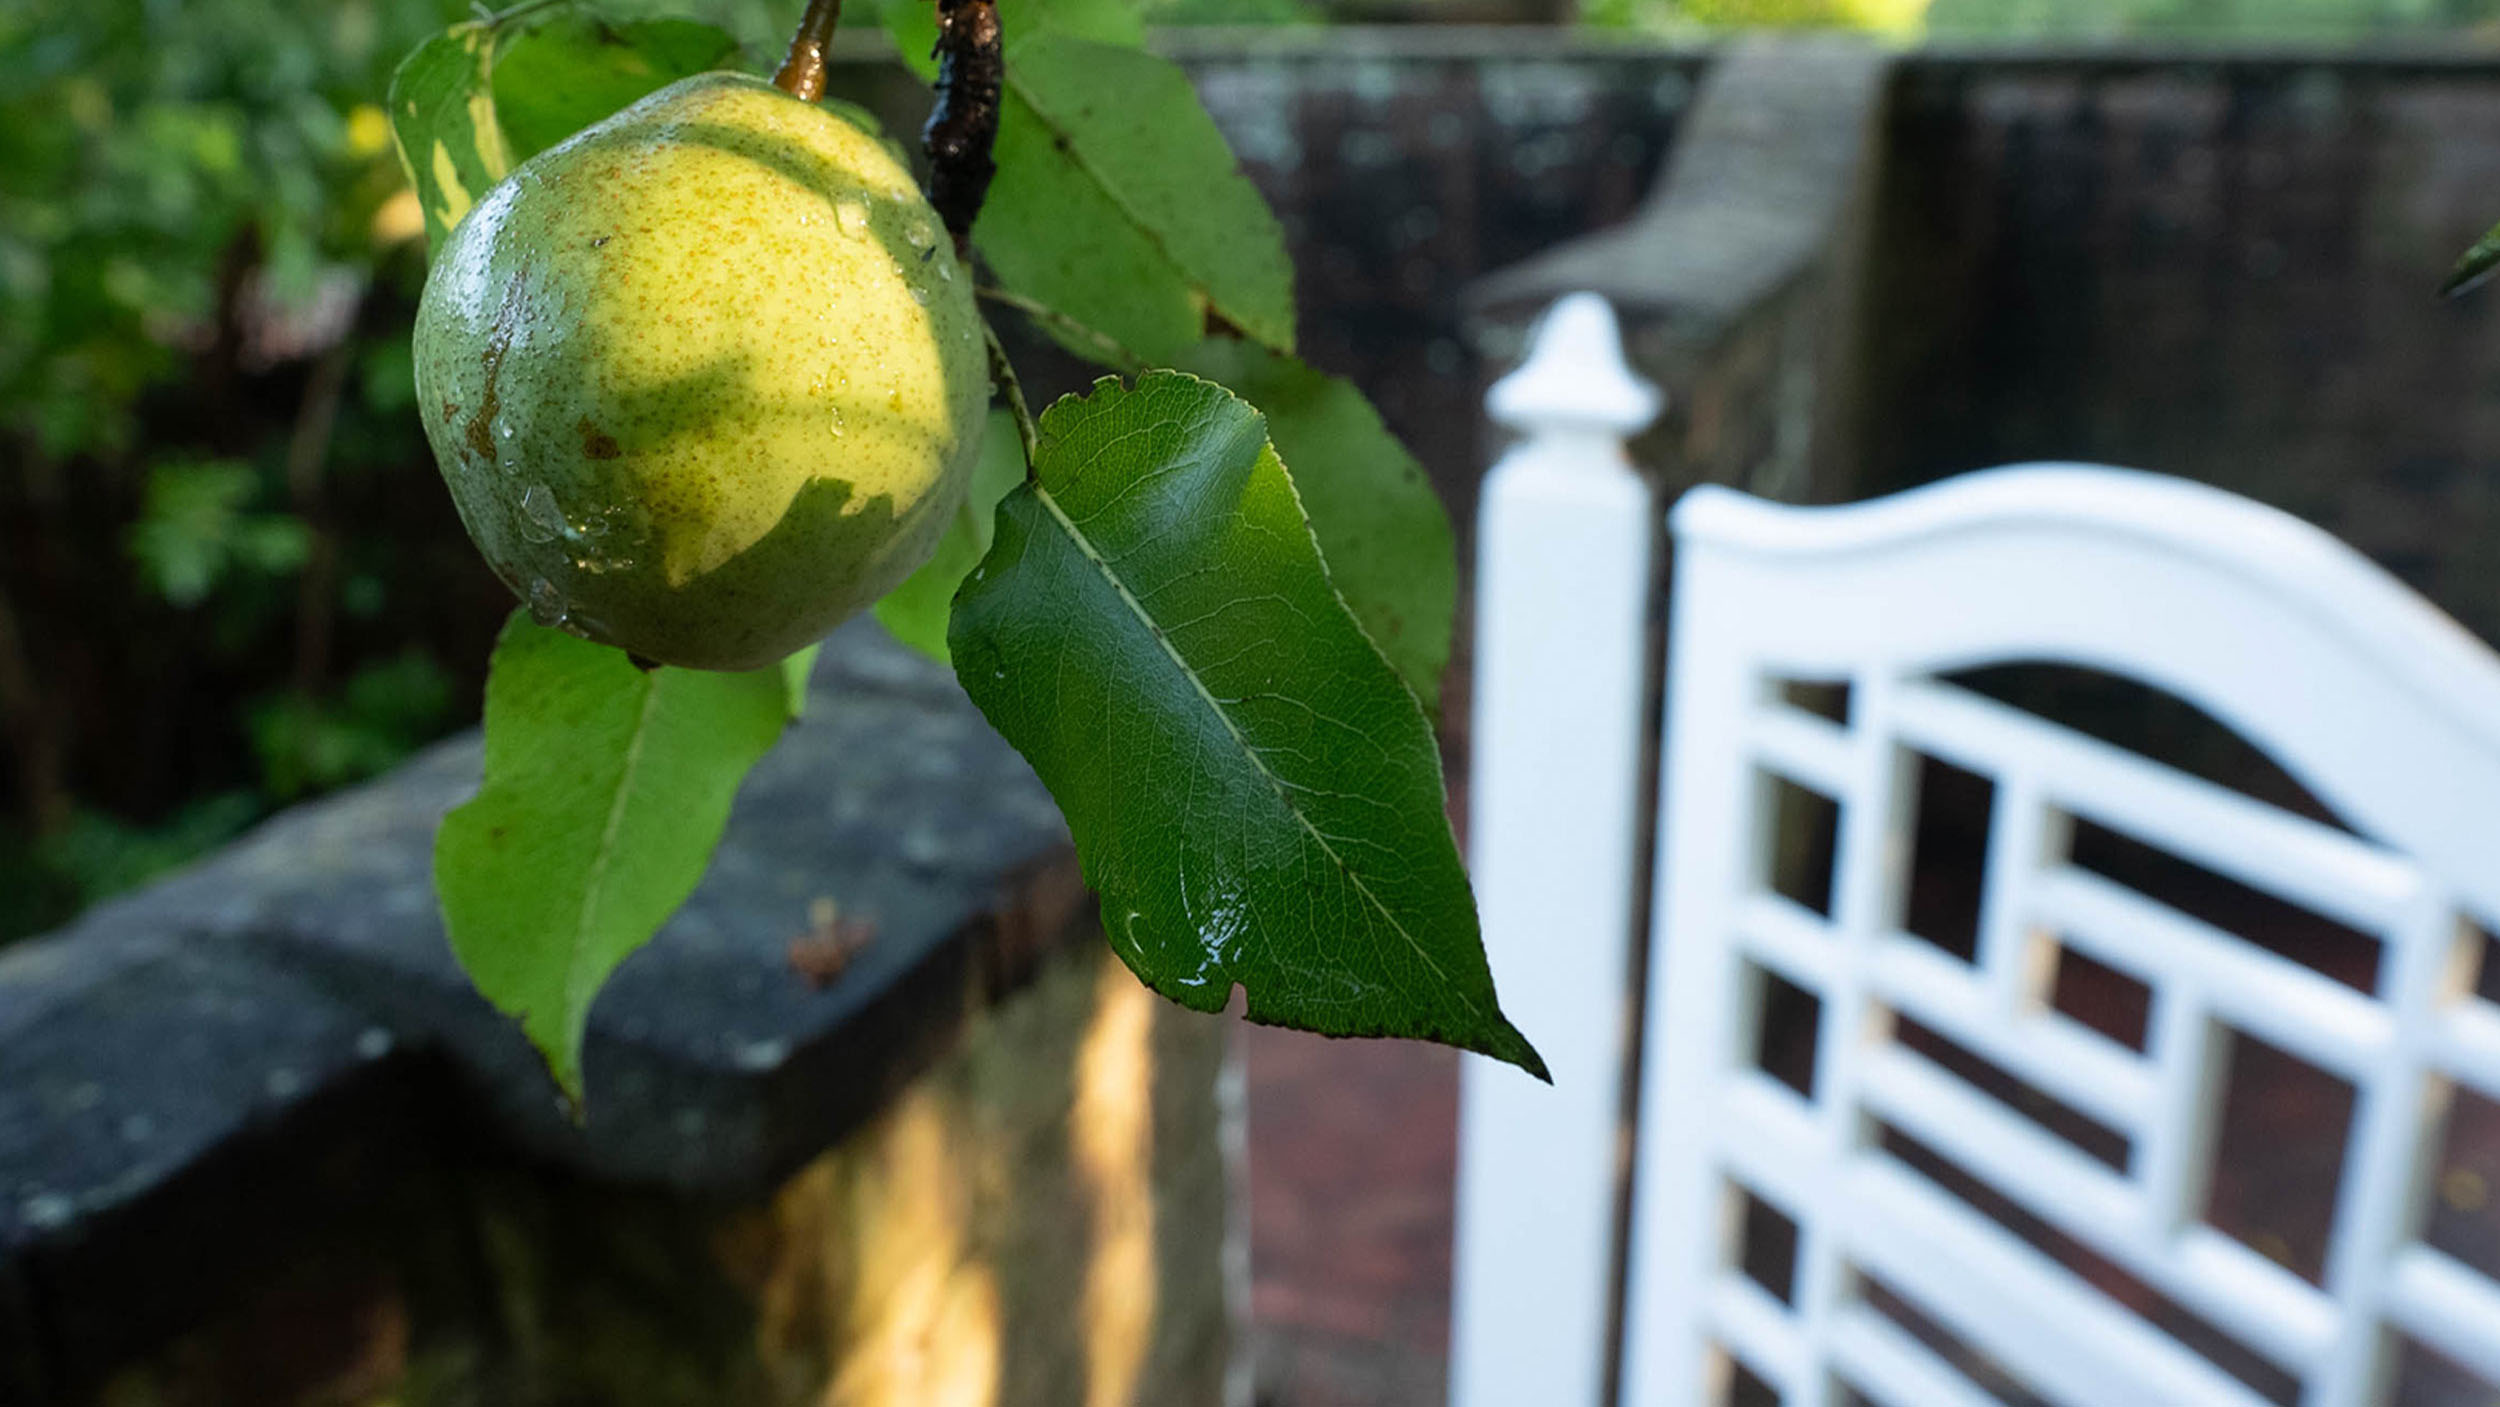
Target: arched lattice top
2367, 696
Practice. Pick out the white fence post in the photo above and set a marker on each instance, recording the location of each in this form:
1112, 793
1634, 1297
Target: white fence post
1562, 578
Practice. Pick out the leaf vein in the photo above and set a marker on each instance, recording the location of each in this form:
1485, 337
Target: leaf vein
1284, 796
592, 883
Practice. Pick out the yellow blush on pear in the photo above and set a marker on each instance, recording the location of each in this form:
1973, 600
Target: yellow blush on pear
706, 378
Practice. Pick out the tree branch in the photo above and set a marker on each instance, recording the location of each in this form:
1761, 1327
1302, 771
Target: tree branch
972, 74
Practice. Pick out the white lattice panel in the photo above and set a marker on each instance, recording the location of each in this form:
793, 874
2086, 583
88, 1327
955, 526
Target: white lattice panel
2381, 708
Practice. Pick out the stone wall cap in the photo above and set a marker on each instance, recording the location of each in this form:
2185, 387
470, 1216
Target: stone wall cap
1751, 196
218, 1000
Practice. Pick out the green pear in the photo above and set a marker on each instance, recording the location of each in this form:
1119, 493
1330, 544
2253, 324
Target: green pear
706, 378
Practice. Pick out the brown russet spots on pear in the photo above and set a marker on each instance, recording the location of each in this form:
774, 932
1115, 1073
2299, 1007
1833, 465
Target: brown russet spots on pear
498, 346
481, 435
597, 443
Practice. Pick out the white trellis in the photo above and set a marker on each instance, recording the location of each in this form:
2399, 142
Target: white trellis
2382, 708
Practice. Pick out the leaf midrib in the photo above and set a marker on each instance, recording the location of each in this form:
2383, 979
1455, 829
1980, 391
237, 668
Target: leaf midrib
578, 951
1284, 795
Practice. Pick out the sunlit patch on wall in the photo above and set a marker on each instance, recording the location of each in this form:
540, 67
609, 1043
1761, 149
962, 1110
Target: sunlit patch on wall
877, 1264
1111, 1133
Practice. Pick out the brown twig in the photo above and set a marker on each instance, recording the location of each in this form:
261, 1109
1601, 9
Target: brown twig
1012, 388
971, 77
1106, 348
802, 74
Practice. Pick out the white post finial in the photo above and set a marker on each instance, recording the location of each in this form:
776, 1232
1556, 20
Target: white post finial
1562, 597
1574, 376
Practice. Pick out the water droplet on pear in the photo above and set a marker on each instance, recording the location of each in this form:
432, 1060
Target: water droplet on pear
541, 520
546, 603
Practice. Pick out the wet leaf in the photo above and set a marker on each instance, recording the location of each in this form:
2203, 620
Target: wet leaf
1253, 792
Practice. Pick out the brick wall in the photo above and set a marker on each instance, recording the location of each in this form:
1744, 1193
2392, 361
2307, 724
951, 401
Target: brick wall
2224, 269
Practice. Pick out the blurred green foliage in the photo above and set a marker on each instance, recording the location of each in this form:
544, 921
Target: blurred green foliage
203, 371
139, 141
192, 530
1703, 16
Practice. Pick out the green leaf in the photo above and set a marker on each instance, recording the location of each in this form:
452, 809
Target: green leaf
1254, 794
2478, 264
478, 99
442, 112
1380, 526
606, 790
1117, 202
916, 611
796, 671
1051, 232
1130, 125
555, 79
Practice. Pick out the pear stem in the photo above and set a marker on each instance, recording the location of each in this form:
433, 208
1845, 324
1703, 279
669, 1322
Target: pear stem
971, 79
802, 74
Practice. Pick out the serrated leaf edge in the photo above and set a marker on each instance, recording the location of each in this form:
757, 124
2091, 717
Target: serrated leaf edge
1284, 793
